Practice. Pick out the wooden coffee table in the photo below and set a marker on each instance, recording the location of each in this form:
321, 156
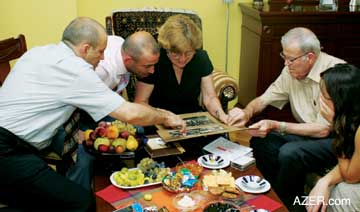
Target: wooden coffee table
102, 182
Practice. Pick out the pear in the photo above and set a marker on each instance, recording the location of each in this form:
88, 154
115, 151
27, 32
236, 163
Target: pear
131, 143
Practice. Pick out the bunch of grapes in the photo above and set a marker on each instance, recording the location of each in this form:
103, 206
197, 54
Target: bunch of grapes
127, 177
149, 171
153, 171
124, 127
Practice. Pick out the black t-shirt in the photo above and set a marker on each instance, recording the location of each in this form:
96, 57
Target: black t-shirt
168, 93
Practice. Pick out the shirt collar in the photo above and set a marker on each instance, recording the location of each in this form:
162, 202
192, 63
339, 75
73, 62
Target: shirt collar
316, 69
119, 62
66, 48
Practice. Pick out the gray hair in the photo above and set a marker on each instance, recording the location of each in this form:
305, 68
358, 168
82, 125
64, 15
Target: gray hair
83, 29
140, 43
305, 38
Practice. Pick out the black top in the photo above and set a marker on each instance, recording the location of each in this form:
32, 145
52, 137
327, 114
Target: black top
168, 93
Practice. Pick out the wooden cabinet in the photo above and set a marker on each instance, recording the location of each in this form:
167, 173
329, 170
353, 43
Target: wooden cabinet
261, 30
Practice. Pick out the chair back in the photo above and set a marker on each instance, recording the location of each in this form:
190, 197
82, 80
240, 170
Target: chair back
127, 21
10, 49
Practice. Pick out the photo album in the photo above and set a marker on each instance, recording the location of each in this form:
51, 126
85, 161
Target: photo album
197, 124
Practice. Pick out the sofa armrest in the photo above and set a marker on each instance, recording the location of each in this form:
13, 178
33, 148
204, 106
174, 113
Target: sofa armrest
226, 88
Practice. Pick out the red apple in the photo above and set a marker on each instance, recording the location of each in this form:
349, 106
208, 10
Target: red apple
103, 148
125, 134
101, 131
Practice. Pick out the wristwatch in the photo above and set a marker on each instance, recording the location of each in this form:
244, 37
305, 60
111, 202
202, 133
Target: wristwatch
282, 128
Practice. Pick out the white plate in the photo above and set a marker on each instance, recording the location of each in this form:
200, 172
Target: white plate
223, 164
130, 187
240, 183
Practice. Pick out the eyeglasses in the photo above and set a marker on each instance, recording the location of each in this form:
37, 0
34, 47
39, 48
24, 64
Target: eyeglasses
291, 60
177, 55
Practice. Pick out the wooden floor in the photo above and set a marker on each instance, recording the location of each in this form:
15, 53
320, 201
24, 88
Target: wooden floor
241, 137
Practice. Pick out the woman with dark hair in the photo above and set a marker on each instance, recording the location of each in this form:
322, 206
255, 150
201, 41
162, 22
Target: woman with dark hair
339, 190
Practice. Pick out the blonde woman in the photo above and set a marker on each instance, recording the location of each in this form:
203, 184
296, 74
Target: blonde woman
183, 71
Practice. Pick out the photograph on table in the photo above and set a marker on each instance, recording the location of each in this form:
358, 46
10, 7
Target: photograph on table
197, 124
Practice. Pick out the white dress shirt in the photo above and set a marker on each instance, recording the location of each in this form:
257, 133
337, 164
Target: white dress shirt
303, 95
112, 69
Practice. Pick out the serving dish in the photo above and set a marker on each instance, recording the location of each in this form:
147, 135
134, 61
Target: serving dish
174, 185
249, 185
212, 161
220, 205
193, 167
185, 202
113, 181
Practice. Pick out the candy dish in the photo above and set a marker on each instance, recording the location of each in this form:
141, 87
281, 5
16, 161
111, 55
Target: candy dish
213, 161
252, 186
185, 202
177, 182
194, 168
253, 182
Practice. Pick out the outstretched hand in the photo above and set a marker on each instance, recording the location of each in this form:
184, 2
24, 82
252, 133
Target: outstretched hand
174, 121
237, 117
262, 128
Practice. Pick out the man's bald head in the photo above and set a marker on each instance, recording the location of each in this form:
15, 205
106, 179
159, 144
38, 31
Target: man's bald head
87, 38
83, 29
140, 44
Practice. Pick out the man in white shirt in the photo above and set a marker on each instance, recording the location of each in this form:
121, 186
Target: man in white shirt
137, 54
286, 152
43, 89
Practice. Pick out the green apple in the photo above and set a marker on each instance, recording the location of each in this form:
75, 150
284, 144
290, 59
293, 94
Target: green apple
99, 141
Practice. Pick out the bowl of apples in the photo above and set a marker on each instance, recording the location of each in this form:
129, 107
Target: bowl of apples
112, 138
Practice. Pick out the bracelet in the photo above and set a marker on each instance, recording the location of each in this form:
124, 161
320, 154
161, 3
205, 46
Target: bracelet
282, 128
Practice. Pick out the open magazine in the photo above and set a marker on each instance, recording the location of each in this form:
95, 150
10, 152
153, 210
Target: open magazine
239, 155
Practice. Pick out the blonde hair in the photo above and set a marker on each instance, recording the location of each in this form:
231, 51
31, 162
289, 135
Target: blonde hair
178, 33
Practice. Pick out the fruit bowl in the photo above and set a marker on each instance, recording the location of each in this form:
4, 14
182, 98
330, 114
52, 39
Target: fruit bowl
112, 152
115, 138
96, 153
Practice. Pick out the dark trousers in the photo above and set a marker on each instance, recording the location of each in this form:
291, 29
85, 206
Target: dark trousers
285, 160
28, 184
